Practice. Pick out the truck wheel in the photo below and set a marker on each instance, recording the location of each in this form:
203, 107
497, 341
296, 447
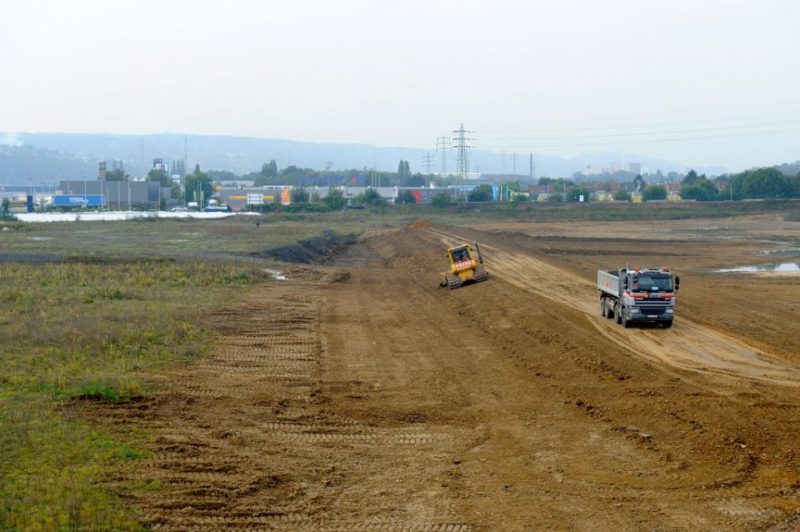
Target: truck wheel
603, 310
668, 324
617, 314
625, 322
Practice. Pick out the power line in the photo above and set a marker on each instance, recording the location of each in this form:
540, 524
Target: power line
720, 115
640, 133
649, 141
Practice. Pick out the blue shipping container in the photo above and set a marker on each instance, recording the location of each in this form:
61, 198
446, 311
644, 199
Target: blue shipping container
79, 200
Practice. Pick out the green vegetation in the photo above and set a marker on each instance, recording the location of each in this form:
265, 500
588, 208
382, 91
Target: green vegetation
77, 331
765, 183
370, 197
622, 195
440, 200
5, 210
335, 200
481, 193
197, 186
654, 192
406, 197
701, 189
575, 193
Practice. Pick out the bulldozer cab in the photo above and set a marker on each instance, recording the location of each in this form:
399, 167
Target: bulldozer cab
460, 254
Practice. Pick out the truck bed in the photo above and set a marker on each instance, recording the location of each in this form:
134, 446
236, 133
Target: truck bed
608, 282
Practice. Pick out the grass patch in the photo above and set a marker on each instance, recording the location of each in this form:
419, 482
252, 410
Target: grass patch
88, 330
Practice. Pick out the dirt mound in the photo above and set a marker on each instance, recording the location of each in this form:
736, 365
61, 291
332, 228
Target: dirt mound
317, 249
420, 224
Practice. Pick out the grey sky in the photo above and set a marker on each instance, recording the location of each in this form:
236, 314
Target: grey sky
554, 77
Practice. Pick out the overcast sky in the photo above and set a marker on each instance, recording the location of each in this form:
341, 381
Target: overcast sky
699, 82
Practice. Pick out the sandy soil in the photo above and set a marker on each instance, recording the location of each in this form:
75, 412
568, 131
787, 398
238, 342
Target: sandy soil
373, 400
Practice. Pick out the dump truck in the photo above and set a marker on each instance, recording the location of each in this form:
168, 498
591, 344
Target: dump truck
465, 267
638, 295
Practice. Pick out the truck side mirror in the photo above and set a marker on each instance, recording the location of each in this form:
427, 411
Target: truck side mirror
625, 283
677, 282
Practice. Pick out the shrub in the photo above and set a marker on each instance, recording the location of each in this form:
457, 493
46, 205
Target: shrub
654, 192
575, 193
701, 189
622, 195
480, 193
370, 197
440, 200
335, 200
406, 197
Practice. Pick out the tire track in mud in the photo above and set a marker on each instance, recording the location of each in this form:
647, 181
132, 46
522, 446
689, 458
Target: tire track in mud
244, 441
688, 345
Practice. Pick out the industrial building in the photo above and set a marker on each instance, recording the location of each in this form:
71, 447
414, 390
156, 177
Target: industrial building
120, 194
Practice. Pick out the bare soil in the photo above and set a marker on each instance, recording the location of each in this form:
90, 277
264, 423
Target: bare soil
360, 396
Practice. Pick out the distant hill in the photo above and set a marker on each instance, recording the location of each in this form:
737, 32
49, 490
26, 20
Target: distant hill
48, 157
25, 165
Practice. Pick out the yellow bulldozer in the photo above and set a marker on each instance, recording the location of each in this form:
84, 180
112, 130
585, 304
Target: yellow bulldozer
464, 267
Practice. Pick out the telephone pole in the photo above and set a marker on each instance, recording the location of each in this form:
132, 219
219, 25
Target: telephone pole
443, 144
461, 142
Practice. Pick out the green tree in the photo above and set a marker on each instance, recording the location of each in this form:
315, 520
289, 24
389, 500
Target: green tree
555, 198
575, 193
370, 197
117, 174
622, 195
198, 186
406, 197
765, 183
440, 200
654, 192
270, 169
335, 200
160, 176
5, 209
415, 181
701, 189
480, 193
299, 195
403, 171
690, 178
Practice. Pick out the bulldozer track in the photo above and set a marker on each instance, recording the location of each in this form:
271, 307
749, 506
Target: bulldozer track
265, 361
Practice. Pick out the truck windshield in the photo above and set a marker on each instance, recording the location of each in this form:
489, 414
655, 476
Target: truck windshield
652, 283
460, 255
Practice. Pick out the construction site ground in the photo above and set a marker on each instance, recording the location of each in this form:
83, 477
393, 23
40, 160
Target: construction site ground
358, 395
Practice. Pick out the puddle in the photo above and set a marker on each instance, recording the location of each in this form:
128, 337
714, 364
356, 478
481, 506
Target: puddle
275, 274
41, 238
783, 267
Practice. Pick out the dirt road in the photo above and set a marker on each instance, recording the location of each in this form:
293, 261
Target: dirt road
376, 401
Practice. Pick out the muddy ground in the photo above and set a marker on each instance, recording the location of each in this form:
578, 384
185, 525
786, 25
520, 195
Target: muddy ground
360, 396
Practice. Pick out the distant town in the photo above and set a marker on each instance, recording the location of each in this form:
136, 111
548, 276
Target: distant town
168, 186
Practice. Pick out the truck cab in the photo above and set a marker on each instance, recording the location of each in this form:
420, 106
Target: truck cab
638, 295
